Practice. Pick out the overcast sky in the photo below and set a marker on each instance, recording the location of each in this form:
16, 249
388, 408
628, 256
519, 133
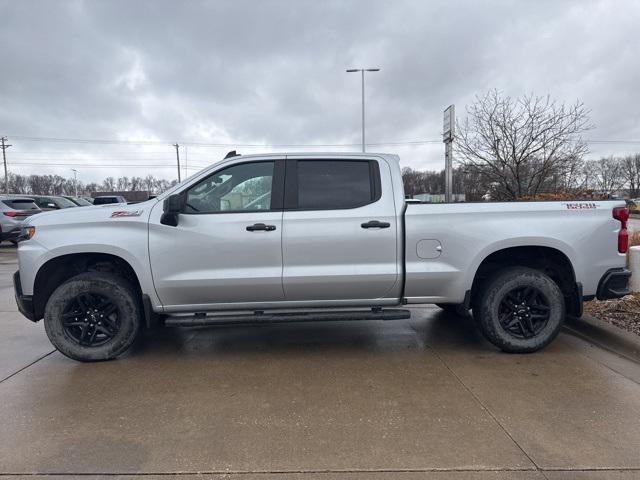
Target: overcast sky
273, 73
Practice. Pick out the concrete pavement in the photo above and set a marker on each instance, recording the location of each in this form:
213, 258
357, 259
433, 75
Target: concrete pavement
420, 399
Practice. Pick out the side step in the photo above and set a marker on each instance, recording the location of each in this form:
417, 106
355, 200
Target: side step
257, 318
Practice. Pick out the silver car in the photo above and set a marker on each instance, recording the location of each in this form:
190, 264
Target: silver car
14, 210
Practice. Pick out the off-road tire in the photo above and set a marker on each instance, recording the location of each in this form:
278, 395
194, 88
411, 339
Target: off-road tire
113, 287
496, 289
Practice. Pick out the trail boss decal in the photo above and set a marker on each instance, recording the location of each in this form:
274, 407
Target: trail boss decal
125, 213
581, 206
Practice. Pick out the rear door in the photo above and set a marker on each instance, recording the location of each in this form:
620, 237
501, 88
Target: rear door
339, 230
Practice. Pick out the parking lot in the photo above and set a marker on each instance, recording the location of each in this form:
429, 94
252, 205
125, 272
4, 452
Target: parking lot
420, 399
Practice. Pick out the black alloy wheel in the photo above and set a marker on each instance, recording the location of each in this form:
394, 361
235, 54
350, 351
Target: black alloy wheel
524, 312
91, 319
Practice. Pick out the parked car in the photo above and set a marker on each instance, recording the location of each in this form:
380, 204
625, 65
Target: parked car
79, 201
634, 205
332, 239
14, 210
88, 199
107, 199
47, 203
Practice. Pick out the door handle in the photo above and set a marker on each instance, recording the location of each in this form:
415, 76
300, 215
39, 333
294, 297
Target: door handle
375, 224
261, 226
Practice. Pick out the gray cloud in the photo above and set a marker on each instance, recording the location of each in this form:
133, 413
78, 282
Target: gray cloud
273, 72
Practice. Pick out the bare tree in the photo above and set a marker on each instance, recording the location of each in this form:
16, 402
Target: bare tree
109, 184
608, 174
631, 173
416, 181
520, 147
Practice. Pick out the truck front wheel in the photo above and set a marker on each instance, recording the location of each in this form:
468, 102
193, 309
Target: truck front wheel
520, 310
93, 316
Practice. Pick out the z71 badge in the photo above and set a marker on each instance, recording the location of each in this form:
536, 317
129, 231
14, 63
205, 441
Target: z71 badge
126, 213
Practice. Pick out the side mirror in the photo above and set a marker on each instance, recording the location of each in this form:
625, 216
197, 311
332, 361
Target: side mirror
172, 207
52, 205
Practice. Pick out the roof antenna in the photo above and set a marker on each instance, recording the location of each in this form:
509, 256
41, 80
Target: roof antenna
232, 153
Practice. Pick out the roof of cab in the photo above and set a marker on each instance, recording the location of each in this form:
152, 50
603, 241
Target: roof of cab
331, 155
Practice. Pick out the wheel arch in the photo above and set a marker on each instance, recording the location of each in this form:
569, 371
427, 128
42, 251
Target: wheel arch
57, 270
550, 260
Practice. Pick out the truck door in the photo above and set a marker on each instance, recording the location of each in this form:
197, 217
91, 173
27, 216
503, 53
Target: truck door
226, 248
339, 230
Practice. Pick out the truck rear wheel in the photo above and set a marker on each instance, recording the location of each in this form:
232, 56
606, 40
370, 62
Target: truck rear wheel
520, 310
93, 316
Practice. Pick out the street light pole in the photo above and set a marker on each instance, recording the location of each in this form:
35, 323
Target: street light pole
75, 180
362, 70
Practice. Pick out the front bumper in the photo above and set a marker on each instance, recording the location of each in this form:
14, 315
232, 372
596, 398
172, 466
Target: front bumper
25, 302
614, 284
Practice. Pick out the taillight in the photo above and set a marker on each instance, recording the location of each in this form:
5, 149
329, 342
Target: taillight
622, 215
10, 214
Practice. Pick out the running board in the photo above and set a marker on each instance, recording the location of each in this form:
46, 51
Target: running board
200, 320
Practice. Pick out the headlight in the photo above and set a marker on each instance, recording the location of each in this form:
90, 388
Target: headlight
26, 233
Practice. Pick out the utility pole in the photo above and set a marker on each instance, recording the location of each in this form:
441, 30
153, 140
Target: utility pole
448, 133
362, 70
4, 158
75, 181
178, 159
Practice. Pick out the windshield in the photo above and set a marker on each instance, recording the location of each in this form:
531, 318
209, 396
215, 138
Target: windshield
80, 201
64, 202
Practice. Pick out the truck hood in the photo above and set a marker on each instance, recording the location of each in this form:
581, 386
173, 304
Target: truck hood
94, 214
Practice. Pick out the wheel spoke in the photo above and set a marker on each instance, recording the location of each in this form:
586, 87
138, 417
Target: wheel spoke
541, 307
93, 335
105, 331
74, 324
84, 301
505, 319
528, 326
510, 305
515, 300
83, 334
108, 310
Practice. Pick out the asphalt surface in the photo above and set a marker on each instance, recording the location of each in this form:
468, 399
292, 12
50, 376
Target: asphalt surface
425, 398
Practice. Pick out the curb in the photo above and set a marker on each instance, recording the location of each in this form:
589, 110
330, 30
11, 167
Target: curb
606, 336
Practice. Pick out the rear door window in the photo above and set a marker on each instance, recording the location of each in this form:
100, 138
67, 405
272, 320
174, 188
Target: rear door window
336, 184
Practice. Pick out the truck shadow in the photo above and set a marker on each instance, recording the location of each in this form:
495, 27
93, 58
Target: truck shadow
427, 328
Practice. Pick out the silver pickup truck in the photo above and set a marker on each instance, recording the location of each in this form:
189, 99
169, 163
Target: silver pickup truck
270, 238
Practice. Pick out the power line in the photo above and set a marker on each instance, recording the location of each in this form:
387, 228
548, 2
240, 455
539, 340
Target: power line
624, 142
219, 145
260, 145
